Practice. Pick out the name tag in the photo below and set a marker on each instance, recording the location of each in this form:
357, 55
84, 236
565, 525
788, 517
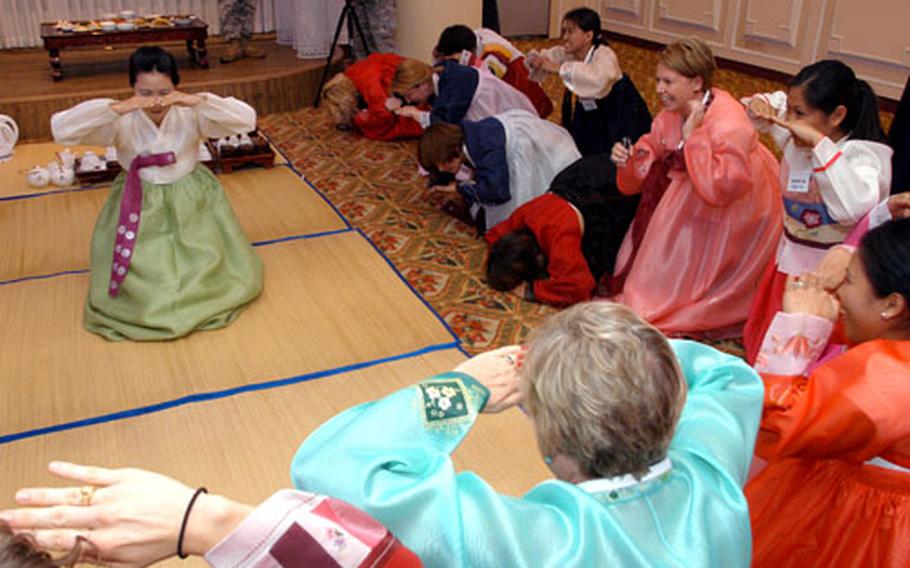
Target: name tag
800, 164
588, 104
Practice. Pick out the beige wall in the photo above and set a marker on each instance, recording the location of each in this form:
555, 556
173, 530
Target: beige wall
421, 21
560, 7
785, 35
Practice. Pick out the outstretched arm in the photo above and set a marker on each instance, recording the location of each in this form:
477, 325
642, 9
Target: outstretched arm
131, 516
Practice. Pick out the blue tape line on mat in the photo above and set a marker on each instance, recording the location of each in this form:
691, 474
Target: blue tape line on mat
411, 288
302, 237
215, 395
256, 244
52, 192
44, 276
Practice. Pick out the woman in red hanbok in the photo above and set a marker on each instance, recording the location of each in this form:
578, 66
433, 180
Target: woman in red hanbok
710, 214
361, 98
835, 435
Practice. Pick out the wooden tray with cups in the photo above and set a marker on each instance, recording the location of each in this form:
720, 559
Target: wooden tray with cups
242, 150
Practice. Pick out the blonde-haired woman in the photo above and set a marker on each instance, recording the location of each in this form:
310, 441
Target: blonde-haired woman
649, 441
361, 98
710, 214
455, 92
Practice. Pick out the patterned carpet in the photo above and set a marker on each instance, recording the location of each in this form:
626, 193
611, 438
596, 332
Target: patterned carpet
376, 186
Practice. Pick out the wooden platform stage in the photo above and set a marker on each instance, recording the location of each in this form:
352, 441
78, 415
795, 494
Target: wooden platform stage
280, 82
336, 325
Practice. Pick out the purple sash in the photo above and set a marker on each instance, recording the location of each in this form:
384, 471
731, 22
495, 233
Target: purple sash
130, 212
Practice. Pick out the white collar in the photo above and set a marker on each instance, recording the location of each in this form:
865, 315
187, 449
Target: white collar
623, 481
590, 54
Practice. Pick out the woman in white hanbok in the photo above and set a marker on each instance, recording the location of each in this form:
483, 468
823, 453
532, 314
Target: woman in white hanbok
168, 255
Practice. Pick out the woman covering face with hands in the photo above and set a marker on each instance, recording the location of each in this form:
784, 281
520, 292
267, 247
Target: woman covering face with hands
834, 433
836, 167
168, 255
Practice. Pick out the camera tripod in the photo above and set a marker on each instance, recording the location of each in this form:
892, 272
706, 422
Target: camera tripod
347, 14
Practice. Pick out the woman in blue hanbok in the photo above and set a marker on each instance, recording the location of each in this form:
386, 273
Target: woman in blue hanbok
649, 439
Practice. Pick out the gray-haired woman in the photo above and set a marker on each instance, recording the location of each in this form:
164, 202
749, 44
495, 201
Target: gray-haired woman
649, 440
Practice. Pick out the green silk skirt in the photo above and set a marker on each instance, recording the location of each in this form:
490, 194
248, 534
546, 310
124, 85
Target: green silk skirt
192, 266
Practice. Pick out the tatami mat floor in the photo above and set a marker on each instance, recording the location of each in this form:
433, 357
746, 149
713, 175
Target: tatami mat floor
336, 325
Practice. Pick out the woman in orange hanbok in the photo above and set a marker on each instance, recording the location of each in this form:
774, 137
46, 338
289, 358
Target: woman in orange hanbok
835, 435
710, 212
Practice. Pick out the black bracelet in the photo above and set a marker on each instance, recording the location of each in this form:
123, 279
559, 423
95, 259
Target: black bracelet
186, 518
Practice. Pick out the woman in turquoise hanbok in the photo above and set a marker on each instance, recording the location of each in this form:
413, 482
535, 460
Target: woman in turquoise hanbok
649, 440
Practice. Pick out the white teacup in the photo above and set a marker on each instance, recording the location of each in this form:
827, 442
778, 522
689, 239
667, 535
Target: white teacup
38, 177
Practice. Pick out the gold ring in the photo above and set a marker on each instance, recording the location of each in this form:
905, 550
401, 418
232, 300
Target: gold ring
86, 492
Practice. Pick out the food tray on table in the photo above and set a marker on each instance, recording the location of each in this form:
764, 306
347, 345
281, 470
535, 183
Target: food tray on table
235, 152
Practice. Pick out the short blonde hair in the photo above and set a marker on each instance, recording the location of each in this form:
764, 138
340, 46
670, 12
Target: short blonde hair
340, 98
603, 388
410, 73
690, 57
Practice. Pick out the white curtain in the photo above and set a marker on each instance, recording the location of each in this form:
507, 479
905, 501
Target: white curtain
20, 20
309, 25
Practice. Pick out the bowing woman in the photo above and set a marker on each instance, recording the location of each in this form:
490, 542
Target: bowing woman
607, 106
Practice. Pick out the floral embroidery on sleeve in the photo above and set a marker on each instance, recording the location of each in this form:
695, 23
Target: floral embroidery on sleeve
450, 400
792, 343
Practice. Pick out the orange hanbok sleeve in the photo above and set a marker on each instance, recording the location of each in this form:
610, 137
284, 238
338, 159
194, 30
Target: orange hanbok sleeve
851, 408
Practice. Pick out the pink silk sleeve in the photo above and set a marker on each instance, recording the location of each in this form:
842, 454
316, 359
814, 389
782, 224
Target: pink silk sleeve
645, 152
718, 156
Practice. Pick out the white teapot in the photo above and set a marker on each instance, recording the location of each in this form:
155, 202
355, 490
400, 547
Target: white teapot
61, 175
38, 177
9, 135
91, 162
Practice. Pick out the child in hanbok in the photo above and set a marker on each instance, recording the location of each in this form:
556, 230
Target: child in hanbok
168, 255
601, 105
836, 167
485, 49
499, 163
835, 435
710, 212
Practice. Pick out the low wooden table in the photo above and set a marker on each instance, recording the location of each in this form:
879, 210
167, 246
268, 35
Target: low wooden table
194, 33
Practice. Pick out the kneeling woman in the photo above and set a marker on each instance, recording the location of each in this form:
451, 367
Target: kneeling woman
607, 105
499, 162
455, 92
649, 442
562, 242
361, 98
710, 221
168, 255
840, 424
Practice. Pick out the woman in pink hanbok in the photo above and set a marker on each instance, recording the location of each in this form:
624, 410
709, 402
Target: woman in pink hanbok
710, 215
